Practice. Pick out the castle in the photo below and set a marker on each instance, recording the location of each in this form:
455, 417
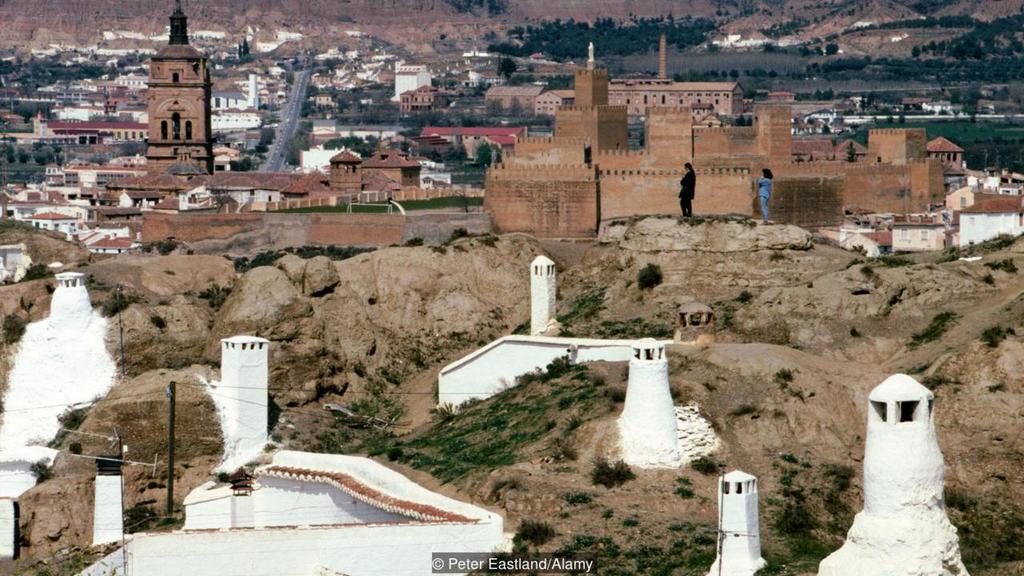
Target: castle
565, 185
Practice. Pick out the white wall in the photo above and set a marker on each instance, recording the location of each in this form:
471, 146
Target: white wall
979, 227
495, 367
366, 550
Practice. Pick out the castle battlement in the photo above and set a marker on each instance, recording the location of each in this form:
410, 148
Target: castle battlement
575, 108
501, 172
891, 131
669, 110
620, 153
568, 140
593, 73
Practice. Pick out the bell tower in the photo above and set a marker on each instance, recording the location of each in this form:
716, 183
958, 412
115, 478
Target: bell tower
179, 102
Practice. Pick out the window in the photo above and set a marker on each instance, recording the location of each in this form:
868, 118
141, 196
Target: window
879, 411
907, 410
175, 77
739, 487
188, 130
176, 126
725, 487
963, 202
163, 130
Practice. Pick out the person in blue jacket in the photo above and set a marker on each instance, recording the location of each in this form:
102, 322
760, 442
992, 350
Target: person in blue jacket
764, 191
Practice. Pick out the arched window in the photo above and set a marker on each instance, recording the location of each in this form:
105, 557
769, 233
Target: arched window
163, 130
176, 125
188, 130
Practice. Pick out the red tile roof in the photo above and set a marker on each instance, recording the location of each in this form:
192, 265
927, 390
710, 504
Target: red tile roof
941, 144
478, 131
1000, 204
345, 157
96, 126
389, 159
108, 242
51, 216
366, 494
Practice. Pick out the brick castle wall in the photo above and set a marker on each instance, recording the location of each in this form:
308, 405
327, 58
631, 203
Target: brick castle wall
809, 201
547, 201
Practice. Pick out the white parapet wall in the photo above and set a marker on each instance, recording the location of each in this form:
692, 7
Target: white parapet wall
648, 437
495, 367
903, 529
739, 527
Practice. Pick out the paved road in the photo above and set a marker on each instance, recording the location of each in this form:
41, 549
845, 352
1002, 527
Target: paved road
289, 120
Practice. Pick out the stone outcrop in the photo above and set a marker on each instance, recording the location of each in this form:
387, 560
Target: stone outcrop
717, 235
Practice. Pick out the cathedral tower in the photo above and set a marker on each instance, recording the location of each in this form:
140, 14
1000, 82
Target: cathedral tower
179, 103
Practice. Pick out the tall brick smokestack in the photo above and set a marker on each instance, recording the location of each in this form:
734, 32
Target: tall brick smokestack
662, 57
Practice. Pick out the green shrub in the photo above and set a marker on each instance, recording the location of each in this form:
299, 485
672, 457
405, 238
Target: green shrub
744, 410
683, 489
14, 328
535, 532
705, 466
989, 279
36, 272
609, 474
41, 470
649, 276
577, 498
744, 297
994, 335
417, 241
854, 333
139, 518
938, 326
1006, 265
215, 296
458, 233
630, 522
117, 302
784, 376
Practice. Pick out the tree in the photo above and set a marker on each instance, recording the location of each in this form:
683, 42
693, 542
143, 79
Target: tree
484, 155
831, 49
507, 67
851, 152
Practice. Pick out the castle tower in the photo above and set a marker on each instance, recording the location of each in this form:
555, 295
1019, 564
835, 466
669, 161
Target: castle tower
244, 378
70, 301
662, 57
107, 518
543, 294
903, 529
647, 427
179, 102
773, 126
345, 174
740, 552
591, 83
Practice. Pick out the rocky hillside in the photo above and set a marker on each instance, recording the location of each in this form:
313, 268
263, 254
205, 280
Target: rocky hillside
803, 332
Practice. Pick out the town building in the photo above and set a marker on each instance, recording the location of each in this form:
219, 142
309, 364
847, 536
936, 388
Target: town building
919, 233
548, 102
180, 127
991, 216
640, 94
946, 152
409, 77
514, 99
423, 99
470, 138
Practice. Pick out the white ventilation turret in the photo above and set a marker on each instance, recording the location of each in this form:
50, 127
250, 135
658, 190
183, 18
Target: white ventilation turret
647, 426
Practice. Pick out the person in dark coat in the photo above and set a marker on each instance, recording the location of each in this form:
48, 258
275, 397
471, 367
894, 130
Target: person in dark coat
687, 188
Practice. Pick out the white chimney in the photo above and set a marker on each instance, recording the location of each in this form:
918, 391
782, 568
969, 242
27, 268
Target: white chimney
543, 294
740, 553
648, 433
108, 512
244, 379
8, 529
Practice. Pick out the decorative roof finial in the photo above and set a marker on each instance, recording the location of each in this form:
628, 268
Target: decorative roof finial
590, 56
179, 25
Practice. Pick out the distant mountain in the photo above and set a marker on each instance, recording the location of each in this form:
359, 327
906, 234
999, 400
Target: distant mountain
39, 22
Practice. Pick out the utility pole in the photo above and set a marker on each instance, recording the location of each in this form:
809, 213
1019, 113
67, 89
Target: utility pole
120, 454
120, 330
170, 449
721, 533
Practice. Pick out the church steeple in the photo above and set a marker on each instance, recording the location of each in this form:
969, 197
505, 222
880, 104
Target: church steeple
179, 25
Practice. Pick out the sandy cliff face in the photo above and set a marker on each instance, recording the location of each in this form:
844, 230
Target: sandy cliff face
784, 387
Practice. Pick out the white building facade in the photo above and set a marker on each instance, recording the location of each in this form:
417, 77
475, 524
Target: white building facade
409, 77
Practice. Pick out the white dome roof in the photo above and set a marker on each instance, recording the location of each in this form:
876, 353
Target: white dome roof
900, 387
542, 260
738, 476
